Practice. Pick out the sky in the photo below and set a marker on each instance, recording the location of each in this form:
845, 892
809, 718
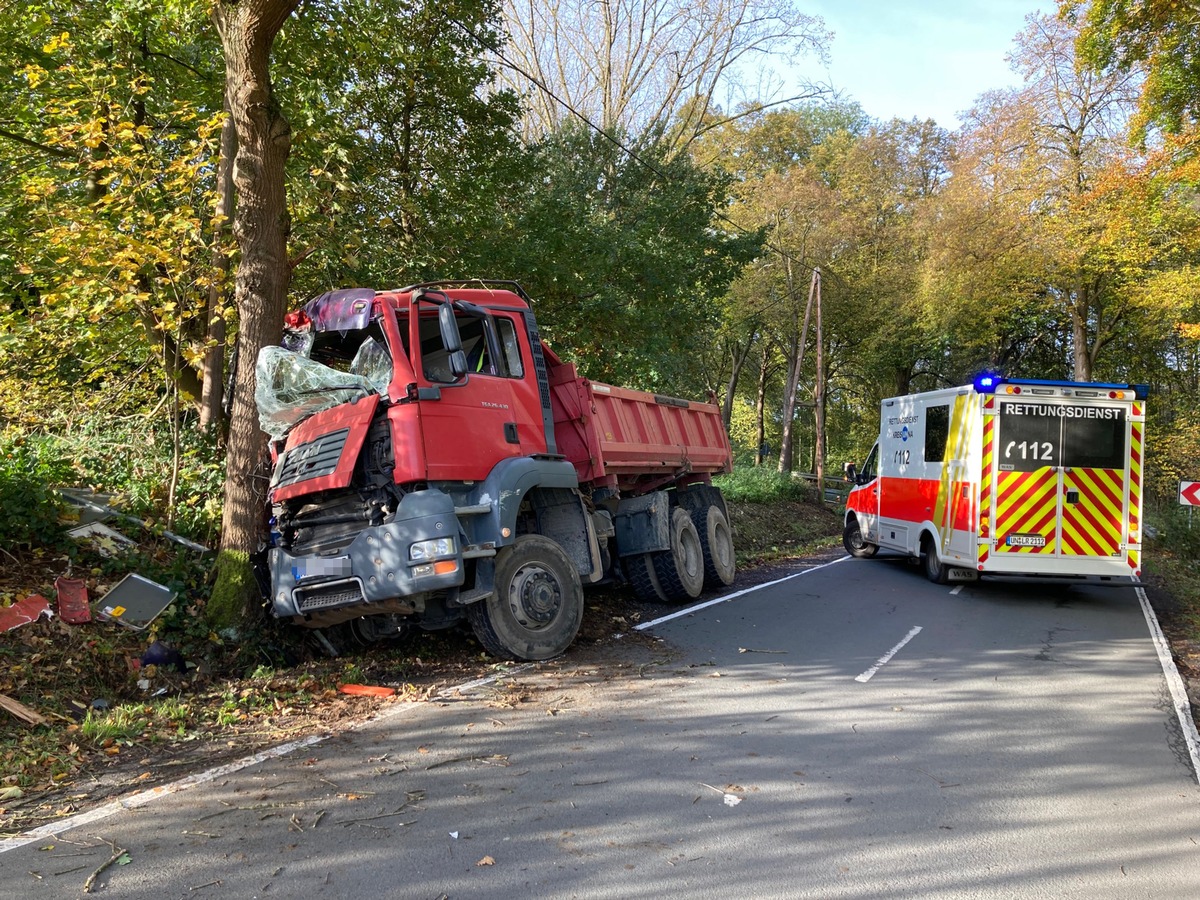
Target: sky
919, 58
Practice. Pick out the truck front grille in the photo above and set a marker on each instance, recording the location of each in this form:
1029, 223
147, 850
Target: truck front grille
325, 596
311, 460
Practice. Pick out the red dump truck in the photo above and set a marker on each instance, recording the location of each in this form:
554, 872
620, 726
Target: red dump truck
435, 461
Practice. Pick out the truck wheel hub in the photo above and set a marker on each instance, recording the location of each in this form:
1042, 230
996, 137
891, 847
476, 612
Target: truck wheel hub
535, 595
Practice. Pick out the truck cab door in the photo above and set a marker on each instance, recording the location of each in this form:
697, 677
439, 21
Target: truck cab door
470, 421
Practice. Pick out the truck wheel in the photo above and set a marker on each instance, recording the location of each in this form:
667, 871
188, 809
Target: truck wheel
852, 540
537, 607
640, 572
936, 571
680, 569
716, 545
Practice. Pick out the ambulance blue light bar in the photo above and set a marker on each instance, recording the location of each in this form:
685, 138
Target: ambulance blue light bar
989, 383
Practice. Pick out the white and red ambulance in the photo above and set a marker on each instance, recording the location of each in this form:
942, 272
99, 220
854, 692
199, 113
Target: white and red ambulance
1009, 477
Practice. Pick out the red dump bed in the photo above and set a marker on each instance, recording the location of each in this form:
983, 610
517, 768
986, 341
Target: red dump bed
631, 439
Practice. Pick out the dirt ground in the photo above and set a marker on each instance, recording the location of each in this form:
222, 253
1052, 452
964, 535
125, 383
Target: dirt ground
227, 706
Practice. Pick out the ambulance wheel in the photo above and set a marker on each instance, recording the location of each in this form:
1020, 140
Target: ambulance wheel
680, 569
935, 570
852, 540
640, 572
537, 607
716, 546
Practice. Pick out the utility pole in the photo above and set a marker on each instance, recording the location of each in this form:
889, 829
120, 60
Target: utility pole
819, 395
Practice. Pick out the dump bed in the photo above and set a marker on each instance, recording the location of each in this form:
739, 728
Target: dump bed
633, 439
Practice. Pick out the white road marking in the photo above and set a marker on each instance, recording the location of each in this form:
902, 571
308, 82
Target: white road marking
956, 590
733, 596
1183, 708
867, 675
142, 798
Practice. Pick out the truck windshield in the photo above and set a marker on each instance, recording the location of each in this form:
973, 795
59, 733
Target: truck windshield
290, 386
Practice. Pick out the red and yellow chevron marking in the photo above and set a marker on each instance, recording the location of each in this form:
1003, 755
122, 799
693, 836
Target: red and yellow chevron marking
985, 478
1135, 489
1093, 526
1026, 504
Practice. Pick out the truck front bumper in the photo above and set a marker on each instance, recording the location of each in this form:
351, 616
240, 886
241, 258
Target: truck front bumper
377, 565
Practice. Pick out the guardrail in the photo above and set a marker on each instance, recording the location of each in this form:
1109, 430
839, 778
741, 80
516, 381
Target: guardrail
835, 489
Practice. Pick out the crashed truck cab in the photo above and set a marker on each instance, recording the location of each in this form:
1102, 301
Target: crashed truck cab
362, 515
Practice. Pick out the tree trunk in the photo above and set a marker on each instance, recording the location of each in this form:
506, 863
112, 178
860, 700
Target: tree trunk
739, 355
760, 406
260, 226
1079, 335
212, 397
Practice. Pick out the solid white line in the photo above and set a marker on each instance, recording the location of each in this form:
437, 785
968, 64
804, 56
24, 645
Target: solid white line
734, 596
1183, 708
867, 675
142, 798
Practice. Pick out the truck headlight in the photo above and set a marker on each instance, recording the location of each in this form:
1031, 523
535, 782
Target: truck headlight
435, 549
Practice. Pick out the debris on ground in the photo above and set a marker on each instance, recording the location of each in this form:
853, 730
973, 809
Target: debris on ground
21, 711
24, 611
135, 601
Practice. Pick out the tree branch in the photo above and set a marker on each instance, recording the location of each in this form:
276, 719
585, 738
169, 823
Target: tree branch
45, 148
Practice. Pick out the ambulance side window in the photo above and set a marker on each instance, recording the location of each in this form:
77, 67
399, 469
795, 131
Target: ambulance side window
868, 472
937, 430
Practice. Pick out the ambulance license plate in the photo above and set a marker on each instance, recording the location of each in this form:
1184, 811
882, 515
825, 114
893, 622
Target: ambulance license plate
1026, 540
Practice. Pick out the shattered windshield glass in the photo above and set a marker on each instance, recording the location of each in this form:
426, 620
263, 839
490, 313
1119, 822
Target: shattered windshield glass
290, 388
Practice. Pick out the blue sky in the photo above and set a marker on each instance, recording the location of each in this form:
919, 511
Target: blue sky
919, 58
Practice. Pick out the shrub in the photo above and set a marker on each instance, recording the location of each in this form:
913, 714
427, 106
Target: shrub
761, 484
29, 506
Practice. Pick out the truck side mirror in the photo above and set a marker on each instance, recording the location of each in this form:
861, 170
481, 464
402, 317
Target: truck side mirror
452, 341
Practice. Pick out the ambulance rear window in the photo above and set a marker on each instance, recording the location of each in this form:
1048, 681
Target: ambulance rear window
1094, 443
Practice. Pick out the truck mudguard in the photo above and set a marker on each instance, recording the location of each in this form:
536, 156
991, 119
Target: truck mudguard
643, 524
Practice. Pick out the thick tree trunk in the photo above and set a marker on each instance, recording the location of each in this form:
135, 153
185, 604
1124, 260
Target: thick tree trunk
260, 226
212, 399
1079, 335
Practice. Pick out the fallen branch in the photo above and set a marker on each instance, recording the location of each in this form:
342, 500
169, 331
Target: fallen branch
118, 852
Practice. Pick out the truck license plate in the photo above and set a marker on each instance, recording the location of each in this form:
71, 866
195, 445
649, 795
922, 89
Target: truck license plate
321, 567
1026, 540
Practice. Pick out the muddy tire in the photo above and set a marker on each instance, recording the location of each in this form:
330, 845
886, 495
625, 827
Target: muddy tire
680, 569
935, 570
716, 545
537, 607
852, 540
640, 571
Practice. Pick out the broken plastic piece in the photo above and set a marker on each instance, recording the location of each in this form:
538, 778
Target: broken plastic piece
107, 541
135, 602
24, 611
366, 690
72, 600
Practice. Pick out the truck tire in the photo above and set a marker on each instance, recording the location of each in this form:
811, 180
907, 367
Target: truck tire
935, 570
537, 606
852, 540
716, 545
639, 569
680, 569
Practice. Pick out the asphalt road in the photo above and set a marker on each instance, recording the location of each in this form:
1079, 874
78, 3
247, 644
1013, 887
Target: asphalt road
849, 732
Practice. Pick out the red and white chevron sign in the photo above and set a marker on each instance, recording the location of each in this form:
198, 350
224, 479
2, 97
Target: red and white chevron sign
1189, 493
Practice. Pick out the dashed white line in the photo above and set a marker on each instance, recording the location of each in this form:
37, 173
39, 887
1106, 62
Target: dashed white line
869, 674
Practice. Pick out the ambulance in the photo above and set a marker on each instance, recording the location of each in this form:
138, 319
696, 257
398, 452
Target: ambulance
1006, 477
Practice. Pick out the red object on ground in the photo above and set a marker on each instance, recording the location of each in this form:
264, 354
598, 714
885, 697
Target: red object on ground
366, 690
73, 600
23, 612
